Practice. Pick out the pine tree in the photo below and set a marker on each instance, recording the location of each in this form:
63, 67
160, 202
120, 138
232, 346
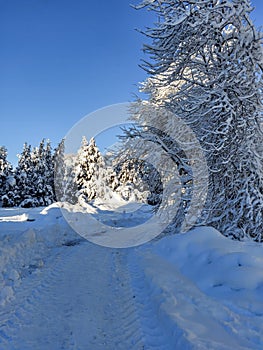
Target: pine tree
206, 69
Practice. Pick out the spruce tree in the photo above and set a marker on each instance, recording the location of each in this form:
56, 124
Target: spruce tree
35, 176
48, 183
70, 194
25, 179
59, 170
7, 182
38, 156
90, 172
43, 173
133, 179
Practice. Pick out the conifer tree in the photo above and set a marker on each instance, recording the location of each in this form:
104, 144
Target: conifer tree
6, 179
35, 176
25, 178
141, 177
59, 170
48, 183
70, 194
90, 171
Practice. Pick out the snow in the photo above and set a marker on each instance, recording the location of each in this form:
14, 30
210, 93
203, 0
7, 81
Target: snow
213, 287
197, 290
22, 217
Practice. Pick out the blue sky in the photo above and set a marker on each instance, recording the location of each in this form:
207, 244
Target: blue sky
62, 59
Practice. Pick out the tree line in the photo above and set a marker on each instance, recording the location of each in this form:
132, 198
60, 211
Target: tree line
43, 176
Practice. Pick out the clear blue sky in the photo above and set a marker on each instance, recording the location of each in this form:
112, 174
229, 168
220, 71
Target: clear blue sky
62, 59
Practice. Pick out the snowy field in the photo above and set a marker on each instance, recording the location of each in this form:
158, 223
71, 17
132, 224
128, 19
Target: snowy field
197, 290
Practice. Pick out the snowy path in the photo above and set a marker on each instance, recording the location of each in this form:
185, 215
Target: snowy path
81, 300
86, 297
59, 291
92, 298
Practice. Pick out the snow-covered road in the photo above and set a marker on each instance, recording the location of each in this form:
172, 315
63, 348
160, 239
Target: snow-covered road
59, 291
81, 299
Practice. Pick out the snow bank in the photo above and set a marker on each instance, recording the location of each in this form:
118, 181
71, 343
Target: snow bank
22, 217
208, 287
26, 237
215, 262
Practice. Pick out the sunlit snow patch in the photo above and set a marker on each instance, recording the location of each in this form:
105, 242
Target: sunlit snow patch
14, 218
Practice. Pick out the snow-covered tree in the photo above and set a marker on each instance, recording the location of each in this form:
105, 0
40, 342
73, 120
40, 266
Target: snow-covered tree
42, 175
59, 170
90, 172
24, 176
70, 193
48, 175
4, 170
139, 179
6, 179
206, 68
94, 177
35, 176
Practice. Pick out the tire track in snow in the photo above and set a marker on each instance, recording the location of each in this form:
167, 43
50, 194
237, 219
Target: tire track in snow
127, 330
81, 299
156, 335
20, 313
